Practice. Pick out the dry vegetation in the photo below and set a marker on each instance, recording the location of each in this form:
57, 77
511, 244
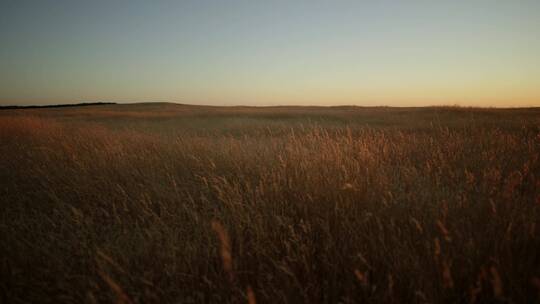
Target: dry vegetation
179, 204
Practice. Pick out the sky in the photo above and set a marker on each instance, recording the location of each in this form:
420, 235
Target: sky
392, 53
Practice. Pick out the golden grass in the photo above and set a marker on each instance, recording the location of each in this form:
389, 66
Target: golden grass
306, 206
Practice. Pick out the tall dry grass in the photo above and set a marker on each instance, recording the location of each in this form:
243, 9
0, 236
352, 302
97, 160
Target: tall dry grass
236, 209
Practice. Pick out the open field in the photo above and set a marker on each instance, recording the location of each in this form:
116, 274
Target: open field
164, 203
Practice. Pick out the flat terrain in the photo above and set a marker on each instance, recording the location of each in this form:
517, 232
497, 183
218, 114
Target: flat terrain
167, 203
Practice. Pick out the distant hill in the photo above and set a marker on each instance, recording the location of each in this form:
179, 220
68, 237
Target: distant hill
84, 104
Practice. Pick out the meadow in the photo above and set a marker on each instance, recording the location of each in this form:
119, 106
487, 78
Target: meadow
165, 203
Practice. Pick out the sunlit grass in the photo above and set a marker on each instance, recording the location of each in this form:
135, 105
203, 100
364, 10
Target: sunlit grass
333, 205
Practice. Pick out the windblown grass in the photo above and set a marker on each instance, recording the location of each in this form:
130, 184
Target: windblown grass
268, 205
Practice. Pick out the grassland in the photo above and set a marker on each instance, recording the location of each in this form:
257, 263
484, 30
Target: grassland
164, 203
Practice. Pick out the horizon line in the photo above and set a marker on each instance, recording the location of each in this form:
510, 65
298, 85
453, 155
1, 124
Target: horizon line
105, 103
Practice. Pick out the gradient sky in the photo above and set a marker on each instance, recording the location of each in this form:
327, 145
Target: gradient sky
399, 53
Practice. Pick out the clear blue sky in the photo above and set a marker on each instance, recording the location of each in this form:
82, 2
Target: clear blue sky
484, 53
